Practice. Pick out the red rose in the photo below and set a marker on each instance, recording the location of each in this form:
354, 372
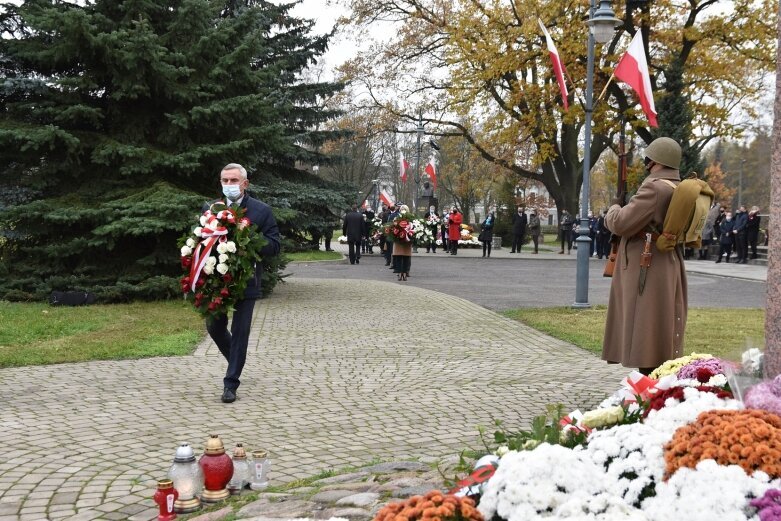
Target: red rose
217, 300
186, 288
187, 261
200, 283
212, 305
225, 292
227, 278
199, 296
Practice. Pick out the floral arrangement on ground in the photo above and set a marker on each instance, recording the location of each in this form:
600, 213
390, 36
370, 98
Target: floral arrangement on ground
676, 446
218, 258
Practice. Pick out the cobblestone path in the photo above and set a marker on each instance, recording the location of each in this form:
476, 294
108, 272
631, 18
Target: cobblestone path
331, 380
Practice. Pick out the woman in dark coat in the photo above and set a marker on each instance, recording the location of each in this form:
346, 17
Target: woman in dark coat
487, 232
726, 236
752, 229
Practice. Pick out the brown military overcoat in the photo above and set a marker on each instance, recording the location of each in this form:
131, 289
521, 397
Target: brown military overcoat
645, 330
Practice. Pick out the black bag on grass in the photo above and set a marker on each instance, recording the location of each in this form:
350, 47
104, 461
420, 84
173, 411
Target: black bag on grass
71, 298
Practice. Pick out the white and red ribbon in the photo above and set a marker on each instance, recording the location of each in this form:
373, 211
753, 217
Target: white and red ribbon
212, 232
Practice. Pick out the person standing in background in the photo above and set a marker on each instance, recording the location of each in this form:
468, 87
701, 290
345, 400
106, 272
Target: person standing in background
454, 229
487, 232
519, 229
752, 230
741, 244
566, 231
535, 228
353, 228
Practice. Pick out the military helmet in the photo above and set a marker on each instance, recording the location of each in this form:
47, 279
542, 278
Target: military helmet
665, 151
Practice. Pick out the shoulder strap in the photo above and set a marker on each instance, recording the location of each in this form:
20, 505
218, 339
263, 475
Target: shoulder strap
669, 183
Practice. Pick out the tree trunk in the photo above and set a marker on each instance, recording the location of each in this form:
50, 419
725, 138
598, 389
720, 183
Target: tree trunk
773, 314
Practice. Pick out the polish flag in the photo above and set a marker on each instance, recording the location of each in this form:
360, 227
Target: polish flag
558, 67
632, 69
385, 198
431, 170
403, 167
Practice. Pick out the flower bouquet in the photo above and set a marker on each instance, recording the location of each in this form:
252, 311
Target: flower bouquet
424, 234
218, 258
402, 229
745, 374
434, 505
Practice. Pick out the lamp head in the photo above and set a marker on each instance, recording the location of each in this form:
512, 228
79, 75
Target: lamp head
603, 22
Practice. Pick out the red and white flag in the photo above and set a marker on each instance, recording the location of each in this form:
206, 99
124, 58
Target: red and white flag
431, 170
385, 198
558, 67
403, 167
632, 69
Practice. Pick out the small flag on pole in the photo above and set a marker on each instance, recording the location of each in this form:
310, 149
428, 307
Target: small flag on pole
632, 69
403, 167
558, 67
431, 170
385, 198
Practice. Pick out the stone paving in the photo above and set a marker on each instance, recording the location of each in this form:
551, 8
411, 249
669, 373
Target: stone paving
331, 381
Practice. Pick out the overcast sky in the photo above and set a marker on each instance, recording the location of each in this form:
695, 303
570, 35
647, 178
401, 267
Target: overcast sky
325, 13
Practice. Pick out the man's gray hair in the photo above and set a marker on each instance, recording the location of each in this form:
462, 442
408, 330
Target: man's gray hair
236, 166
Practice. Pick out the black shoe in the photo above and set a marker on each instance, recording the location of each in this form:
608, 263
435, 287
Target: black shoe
228, 396
357, 261
329, 249
718, 261
387, 263
513, 251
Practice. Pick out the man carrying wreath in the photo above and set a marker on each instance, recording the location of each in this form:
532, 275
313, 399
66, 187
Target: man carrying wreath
233, 344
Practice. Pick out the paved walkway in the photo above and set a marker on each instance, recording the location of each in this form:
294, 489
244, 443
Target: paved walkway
331, 381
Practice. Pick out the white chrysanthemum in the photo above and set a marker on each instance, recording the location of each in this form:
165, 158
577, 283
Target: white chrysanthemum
185, 251
602, 507
231, 246
709, 491
190, 242
223, 258
222, 269
677, 414
530, 485
222, 248
633, 457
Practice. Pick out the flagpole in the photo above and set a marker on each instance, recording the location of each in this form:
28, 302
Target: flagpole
602, 94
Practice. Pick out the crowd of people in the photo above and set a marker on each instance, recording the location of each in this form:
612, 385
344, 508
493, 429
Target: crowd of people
734, 233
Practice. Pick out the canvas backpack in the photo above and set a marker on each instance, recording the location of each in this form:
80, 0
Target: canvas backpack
685, 217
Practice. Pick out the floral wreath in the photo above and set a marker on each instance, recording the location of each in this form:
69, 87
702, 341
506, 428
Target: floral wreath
218, 258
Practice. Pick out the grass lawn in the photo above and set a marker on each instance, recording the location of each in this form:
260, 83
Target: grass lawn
718, 331
314, 255
38, 334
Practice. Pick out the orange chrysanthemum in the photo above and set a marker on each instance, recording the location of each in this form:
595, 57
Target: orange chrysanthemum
748, 438
434, 506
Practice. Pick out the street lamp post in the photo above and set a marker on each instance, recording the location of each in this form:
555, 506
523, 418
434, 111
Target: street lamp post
419, 132
740, 183
601, 22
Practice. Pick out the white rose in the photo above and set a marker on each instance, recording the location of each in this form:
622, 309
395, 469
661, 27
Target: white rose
222, 248
222, 268
203, 220
198, 232
223, 258
186, 250
208, 269
191, 243
231, 246
211, 261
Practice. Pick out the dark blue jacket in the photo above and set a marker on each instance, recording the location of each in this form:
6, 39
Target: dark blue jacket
725, 232
260, 215
741, 220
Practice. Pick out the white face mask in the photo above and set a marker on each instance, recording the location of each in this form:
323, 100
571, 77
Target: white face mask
232, 192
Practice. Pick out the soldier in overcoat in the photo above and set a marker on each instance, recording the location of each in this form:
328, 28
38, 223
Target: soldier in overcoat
645, 330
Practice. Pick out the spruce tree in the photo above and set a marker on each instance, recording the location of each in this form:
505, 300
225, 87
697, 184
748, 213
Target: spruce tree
675, 120
115, 120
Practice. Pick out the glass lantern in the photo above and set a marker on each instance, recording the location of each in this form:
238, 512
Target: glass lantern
260, 468
188, 480
241, 470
